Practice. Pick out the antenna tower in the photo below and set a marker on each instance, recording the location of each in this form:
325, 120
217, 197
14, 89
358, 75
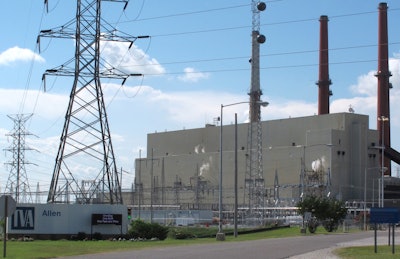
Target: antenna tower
17, 184
85, 153
254, 179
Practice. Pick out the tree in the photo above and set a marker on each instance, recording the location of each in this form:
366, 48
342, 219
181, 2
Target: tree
335, 213
327, 211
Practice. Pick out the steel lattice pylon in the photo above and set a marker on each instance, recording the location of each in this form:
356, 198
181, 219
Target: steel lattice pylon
254, 179
85, 165
17, 184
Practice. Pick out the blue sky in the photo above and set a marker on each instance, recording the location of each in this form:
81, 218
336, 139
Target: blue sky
195, 60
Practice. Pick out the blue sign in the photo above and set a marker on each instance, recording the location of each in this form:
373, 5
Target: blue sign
385, 215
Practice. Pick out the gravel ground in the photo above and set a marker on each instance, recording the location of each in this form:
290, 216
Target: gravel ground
328, 252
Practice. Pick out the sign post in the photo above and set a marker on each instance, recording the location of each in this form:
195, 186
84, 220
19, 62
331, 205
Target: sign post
7, 207
106, 219
385, 215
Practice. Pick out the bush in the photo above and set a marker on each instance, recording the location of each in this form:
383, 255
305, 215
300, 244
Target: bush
181, 233
138, 229
141, 229
330, 212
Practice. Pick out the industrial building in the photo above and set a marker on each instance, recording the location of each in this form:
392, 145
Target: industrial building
326, 155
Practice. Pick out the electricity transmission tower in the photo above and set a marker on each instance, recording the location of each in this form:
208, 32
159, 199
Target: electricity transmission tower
85, 164
254, 179
17, 184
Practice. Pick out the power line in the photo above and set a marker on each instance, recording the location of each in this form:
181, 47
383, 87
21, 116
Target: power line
265, 68
202, 31
264, 24
240, 27
188, 13
266, 55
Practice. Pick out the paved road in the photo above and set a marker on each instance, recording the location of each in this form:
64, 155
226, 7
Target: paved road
266, 248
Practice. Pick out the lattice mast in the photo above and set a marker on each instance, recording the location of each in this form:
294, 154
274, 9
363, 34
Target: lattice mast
17, 184
85, 153
254, 180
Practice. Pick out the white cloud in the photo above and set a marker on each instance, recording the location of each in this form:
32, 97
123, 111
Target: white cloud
178, 109
360, 105
181, 107
48, 105
130, 61
193, 76
394, 67
16, 54
289, 109
366, 85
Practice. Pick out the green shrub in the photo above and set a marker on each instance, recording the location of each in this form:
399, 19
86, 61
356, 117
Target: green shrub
330, 212
141, 229
181, 233
137, 229
158, 231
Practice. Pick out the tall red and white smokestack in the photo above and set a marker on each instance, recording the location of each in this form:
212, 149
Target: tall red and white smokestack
383, 74
323, 82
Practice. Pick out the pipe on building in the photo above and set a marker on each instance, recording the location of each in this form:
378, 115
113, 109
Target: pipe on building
323, 82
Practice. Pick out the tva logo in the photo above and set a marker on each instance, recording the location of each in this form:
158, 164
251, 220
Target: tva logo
23, 218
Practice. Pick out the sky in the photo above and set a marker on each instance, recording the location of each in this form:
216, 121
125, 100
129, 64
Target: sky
195, 59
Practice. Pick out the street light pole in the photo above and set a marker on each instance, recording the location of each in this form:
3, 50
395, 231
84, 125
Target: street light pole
220, 234
220, 173
365, 199
383, 118
235, 232
151, 187
383, 160
303, 173
373, 189
140, 182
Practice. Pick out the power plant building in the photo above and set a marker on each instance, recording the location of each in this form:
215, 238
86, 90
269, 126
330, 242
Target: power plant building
335, 155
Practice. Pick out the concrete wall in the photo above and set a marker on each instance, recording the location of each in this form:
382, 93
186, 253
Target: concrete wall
48, 220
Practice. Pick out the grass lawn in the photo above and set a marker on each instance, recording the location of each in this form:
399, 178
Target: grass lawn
366, 252
51, 249
59, 248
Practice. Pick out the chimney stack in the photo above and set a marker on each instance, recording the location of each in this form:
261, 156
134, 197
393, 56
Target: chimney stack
323, 82
383, 74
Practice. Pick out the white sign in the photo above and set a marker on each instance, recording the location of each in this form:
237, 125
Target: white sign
64, 219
